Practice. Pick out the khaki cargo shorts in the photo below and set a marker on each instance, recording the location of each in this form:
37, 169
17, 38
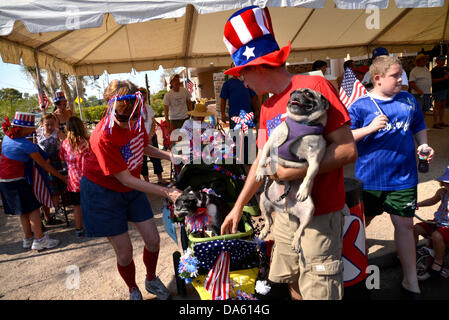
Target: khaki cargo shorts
318, 268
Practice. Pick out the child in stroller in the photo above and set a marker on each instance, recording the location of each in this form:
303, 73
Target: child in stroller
437, 230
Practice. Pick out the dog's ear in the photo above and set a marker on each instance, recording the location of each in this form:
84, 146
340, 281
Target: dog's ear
325, 102
188, 189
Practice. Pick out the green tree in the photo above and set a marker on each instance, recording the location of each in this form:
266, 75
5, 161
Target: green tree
156, 103
10, 94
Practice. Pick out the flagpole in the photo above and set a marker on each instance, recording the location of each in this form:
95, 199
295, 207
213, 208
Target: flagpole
38, 77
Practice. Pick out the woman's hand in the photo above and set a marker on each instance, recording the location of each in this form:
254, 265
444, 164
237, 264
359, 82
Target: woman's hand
174, 194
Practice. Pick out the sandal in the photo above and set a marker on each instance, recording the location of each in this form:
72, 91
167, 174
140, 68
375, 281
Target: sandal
442, 124
435, 273
436, 126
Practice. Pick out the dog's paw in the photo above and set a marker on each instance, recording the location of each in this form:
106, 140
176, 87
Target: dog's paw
260, 174
302, 194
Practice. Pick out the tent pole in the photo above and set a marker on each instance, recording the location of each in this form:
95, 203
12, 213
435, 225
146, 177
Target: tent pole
79, 98
38, 78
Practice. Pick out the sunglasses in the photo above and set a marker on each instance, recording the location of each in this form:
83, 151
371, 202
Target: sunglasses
126, 117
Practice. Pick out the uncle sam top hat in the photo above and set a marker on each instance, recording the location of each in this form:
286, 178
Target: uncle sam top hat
445, 176
249, 37
59, 96
23, 119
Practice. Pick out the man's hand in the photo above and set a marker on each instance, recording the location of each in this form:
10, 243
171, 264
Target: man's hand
231, 222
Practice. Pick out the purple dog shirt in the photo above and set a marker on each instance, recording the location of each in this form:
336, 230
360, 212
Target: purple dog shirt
295, 132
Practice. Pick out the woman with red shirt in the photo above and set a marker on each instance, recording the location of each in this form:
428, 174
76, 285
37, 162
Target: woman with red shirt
112, 192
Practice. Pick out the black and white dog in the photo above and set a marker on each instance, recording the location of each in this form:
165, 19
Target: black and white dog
203, 209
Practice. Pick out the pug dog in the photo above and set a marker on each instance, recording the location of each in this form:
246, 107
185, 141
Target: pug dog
205, 201
296, 142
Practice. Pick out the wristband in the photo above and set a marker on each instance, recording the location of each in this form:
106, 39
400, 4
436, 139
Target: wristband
424, 145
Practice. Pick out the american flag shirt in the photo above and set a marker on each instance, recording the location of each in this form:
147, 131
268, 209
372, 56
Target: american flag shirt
75, 163
114, 152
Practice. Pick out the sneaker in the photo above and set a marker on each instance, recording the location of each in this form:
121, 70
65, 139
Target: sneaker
135, 294
157, 288
44, 243
27, 243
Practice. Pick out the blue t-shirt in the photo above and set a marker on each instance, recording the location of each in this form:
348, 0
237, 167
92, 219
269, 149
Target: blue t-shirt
238, 96
386, 159
15, 152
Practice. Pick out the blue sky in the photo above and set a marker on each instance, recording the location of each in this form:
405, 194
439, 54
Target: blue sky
11, 76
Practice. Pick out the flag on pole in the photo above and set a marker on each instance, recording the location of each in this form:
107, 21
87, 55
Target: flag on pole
217, 281
190, 85
40, 188
43, 101
351, 88
37, 178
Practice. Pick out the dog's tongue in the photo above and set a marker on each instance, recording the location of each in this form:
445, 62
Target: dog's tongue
297, 103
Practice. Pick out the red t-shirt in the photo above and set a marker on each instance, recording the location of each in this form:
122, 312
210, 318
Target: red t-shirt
328, 191
113, 153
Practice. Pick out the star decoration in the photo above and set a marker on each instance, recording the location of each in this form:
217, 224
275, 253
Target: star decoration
249, 52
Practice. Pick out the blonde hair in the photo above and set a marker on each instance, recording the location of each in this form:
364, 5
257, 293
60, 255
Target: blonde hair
77, 134
121, 88
381, 65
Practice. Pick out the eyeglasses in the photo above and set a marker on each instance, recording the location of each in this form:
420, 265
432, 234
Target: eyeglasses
126, 117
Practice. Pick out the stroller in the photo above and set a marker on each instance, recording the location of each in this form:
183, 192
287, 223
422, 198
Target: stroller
227, 181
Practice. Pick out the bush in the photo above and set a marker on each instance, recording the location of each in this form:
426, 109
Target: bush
92, 114
156, 103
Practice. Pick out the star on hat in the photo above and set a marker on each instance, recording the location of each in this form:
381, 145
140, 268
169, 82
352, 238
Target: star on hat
249, 52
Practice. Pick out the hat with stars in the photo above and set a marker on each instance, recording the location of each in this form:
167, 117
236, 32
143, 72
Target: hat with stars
249, 37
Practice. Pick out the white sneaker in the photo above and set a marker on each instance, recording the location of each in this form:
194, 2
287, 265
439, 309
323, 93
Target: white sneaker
27, 243
44, 243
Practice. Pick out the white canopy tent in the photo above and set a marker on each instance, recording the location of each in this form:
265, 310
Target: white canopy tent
92, 36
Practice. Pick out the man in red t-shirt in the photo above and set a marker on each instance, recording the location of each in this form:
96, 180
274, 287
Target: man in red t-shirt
316, 272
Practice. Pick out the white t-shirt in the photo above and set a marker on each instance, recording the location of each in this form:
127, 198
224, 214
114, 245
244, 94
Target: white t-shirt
148, 117
422, 78
366, 78
177, 103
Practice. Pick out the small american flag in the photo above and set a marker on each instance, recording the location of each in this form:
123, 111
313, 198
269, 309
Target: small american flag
43, 101
40, 188
351, 88
217, 281
274, 122
132, 152
190, 85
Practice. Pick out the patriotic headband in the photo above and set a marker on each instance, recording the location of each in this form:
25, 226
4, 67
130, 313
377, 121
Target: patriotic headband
249, 37
138, 107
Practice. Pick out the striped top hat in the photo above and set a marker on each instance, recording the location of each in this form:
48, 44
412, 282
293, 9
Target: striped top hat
249, 37
445, 176
23, 119
59, 96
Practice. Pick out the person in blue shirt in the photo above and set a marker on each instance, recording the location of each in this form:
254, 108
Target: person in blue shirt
385, 124
17, 194
239, 98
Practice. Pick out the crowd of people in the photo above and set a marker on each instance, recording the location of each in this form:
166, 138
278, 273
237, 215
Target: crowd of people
378, 133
